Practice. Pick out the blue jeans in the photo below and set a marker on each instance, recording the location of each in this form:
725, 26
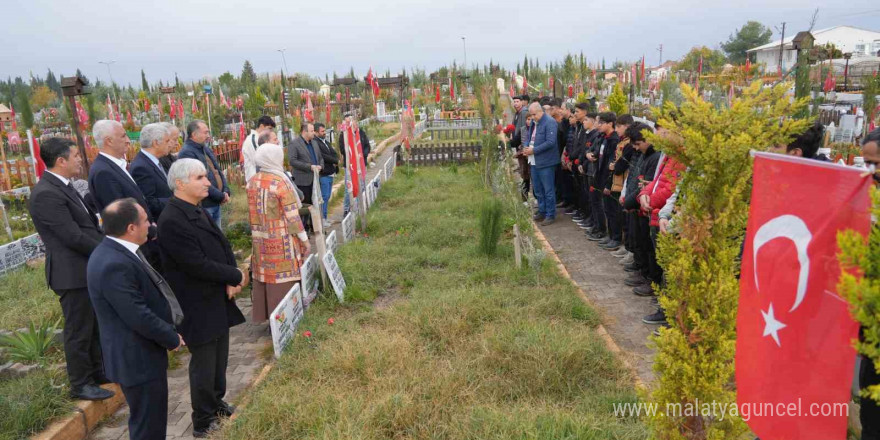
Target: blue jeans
214, 213
544, 188
326, 188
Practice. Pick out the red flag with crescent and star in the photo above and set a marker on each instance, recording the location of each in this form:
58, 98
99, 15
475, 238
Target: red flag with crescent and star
794, 353
353, 182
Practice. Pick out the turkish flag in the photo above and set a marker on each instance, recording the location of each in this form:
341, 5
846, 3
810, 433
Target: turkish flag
794, 333
353, 159
39, 166
359, 151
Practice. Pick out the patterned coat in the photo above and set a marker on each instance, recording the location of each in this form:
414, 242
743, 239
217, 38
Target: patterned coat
275, 223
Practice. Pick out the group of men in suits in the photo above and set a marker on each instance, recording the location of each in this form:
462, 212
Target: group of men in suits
121, 315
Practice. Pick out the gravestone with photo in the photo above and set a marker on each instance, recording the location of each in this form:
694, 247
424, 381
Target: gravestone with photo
285, 318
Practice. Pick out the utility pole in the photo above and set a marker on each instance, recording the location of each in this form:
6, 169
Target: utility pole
781, 48
660, 49
464, 44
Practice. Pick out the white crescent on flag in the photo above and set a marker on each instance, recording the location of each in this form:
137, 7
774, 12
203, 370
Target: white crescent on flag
794, 229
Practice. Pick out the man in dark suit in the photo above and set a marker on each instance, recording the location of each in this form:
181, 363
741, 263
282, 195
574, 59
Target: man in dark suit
201, 268
305, 160
147, 170
70, 232
136, 313
109, 180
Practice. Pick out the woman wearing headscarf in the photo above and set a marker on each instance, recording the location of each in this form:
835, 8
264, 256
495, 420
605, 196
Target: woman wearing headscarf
280, 243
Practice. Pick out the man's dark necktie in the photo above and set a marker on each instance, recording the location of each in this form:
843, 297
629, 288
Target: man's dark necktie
159, 281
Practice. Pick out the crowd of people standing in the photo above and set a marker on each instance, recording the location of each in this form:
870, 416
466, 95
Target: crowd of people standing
141, 265
600, 171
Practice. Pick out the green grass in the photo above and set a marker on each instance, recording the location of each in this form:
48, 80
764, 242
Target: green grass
436, 341
25, 297
29, 403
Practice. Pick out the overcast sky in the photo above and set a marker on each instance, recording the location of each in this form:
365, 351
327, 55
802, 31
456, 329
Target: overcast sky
199, 38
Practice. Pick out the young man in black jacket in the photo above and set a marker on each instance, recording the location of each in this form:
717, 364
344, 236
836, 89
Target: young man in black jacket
601, 156
618, 166
331, 167
641, 173
587, 169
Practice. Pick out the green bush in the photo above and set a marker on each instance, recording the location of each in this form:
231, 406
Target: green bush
490, 226
31, 346
239, 236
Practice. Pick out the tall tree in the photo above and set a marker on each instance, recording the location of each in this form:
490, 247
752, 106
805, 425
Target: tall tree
145, 86
248, 76
53, 83
752, 34
24, 109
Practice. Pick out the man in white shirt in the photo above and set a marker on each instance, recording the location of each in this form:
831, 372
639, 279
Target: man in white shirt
251, 142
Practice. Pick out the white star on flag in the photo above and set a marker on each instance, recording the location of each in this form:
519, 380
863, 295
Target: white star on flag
771, 325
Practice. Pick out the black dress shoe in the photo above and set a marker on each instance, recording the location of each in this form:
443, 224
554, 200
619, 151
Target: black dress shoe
596, 237
204, 432
538, 218
91, 392
604, 241
226, 410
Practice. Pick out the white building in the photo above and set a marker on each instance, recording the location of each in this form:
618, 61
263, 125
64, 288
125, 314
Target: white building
860, 42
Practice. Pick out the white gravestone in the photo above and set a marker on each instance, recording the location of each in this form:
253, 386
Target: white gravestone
311, 278
285, 318
335, 275
348, 228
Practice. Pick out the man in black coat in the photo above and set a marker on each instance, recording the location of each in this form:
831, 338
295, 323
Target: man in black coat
70, 231
330, 168
136, 316
109, 180
201, 268
147, 170
601, 154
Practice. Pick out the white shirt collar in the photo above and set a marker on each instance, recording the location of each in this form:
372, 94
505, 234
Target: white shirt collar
126, 244
63, 180
150, 156
121, 163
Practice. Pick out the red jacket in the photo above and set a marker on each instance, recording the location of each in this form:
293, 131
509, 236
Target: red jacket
663, 186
